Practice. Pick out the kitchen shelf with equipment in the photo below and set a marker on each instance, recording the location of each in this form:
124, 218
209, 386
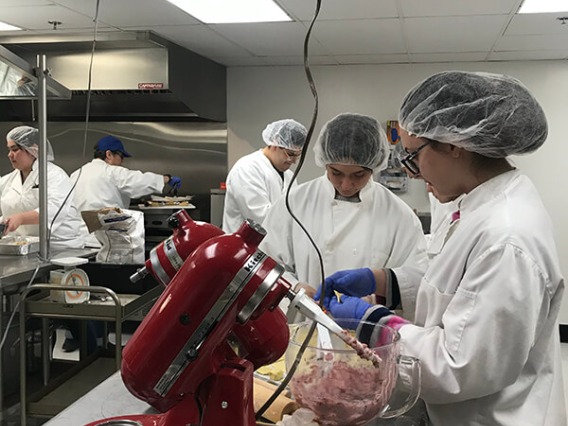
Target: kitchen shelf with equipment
36, 301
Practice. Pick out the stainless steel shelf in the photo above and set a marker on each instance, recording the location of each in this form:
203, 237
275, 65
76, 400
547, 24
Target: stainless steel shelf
36, 302
41, 305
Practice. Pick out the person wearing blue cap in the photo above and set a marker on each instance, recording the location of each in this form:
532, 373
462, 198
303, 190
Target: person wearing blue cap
104, 182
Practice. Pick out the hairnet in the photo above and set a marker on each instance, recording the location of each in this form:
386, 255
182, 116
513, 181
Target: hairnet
27, 138
287, 134
352, 139
491, 114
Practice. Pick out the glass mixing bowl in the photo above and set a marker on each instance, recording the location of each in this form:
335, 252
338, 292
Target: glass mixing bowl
340, 387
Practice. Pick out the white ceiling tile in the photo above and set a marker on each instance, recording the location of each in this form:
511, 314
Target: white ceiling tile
532, 42
537, 23
37, 17
149, 13
347, 31
239, 61
200, 39
299, 60
273, 39
86, 7
531, 55
360, 36
452, 34
449, 57
372, 59
20, 3
422, 8
341, 9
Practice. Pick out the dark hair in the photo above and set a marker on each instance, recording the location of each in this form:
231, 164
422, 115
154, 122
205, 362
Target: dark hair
101, 155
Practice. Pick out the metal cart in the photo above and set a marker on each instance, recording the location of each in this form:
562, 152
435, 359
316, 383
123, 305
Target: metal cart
36, 302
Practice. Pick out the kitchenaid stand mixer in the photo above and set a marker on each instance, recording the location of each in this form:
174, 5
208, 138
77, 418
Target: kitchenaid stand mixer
179, 360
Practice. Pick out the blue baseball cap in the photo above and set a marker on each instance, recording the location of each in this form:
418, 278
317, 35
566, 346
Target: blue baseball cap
110, 143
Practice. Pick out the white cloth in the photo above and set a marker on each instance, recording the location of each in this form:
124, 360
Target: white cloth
253, 186
18, 197
381, 231
486, 320
103, 185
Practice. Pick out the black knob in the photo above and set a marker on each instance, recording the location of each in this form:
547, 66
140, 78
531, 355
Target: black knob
173, 221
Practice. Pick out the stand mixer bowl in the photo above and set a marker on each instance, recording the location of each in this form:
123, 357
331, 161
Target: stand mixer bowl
340, 387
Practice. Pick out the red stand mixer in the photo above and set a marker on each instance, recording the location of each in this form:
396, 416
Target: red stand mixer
179, 359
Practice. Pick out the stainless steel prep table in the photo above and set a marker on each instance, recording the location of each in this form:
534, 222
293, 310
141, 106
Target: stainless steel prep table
15, 273
109, 399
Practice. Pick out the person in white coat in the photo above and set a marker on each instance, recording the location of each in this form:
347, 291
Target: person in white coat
104, 182
19, 193
340, 211
257, 180
486, 320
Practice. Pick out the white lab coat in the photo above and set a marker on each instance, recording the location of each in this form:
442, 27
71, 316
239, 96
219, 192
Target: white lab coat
103, 185
486, 319
381, 231
253, 186
18, 197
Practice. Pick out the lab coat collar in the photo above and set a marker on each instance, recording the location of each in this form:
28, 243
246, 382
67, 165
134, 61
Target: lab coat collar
486, 192
366, 193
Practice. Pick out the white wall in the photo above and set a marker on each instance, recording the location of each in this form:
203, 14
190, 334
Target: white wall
257, 96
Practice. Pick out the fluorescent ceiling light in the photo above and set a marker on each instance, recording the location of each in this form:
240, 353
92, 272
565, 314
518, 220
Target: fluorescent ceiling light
544, 6
7, 27
232, 11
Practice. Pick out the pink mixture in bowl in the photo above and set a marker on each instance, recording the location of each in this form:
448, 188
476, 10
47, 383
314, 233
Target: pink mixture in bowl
341, 386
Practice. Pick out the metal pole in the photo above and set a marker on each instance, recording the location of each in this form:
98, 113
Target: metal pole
42, 126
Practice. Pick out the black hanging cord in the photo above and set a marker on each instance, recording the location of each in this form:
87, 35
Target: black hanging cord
96, 20
292, 369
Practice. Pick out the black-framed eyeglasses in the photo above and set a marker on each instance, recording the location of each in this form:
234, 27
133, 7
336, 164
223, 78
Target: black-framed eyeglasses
408, 160
291, 154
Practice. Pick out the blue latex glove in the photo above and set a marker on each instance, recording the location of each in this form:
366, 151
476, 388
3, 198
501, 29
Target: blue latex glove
175, 182
348, 308
352, 282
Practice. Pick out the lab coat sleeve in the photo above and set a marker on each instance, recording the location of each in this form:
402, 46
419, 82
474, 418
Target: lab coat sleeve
58, 187
278, 241
467, 356
134, 183
3, 180
409, 251
251, 193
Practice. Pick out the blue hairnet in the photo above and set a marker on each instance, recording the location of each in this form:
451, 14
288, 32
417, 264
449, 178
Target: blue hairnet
491, 114
27, 138
352, 139
287, 134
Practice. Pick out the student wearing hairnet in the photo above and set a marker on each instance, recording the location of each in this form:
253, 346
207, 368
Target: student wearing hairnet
257, 180
340, 211
104, 182
19, 193
485, 326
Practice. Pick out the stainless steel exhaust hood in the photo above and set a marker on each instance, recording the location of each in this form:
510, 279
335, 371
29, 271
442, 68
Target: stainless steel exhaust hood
135, 76
18, 79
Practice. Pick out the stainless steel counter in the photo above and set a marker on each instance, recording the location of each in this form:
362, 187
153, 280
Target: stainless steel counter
109, 399
16, 272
